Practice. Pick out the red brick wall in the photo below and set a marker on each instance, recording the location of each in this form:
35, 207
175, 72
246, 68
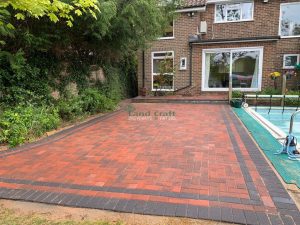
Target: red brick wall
272, 59
183, 27
286, 46
265, 23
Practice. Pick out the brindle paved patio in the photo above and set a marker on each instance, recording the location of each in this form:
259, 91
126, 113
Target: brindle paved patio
181, 160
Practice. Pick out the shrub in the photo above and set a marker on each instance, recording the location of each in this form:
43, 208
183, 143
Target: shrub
20, 82
292, 101
237, 94
88, 102
24, 123
112, 87
270, 91
93, 101
69, 109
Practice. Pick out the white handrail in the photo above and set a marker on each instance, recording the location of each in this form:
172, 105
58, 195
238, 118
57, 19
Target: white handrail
271, 96
292, 121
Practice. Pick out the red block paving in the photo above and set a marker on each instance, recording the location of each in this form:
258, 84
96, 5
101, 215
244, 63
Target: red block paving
178, 155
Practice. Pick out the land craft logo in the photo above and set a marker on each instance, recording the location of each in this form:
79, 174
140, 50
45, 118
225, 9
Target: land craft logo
135, 114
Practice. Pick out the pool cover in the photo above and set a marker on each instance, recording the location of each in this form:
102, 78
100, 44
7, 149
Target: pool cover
289, 170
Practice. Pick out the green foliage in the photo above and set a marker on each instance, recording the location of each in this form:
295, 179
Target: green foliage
54, 10
42, 47
69, 109
90, 101
78, 73
20, 83
273, 91
23, 123
112, 88
131, 19
94, 102
292, 101
166, 67
6, 28
119, 30
237, 94
39, 54
128, 76
270, 91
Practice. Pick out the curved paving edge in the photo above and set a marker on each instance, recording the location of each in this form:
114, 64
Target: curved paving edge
57, 136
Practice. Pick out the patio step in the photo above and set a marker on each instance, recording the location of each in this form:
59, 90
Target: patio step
179, 99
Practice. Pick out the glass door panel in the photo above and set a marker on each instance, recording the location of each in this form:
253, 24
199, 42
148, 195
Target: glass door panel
217, 69
245, 69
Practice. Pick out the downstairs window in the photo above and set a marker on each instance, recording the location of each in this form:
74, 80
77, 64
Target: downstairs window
163, 71
243, 65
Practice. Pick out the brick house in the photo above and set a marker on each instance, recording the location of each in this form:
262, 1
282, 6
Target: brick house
210, 40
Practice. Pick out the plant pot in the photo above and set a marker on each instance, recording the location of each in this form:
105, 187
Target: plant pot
143, 92
236, 103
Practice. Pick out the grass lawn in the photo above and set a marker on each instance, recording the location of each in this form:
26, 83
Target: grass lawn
10, 217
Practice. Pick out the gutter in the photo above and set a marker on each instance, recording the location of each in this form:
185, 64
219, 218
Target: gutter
217, 1
199, 41
192, 9
143, 73
190, 68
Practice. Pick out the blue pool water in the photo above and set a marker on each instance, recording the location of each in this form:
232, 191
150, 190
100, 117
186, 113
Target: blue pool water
281, 120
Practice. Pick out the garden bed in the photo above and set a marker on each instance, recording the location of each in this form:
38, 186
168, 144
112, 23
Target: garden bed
28, 123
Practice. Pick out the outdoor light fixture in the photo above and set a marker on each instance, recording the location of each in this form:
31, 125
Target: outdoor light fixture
191, 14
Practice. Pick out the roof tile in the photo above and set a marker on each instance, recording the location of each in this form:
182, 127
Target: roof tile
193, 3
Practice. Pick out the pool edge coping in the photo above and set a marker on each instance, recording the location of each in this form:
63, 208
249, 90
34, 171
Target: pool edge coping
275, 131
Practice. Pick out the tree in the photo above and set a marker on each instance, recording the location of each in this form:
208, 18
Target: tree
122, 27
55, 10
46, 49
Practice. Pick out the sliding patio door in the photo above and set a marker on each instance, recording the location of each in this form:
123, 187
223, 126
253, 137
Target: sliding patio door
244, 65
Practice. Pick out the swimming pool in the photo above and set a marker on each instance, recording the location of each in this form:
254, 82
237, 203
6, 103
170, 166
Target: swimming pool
267, 130
281, 120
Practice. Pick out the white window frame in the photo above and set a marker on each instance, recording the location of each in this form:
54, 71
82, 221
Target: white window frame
288, 55
280, 17
185, 65
233, 3
152, 68
231, 50
169, 38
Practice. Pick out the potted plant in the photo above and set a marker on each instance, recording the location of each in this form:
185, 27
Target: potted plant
143, 91
236, 103
274, 76
159, 82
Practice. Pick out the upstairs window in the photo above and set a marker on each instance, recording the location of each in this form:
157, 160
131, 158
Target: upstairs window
234, 12
290, 20
169, 31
